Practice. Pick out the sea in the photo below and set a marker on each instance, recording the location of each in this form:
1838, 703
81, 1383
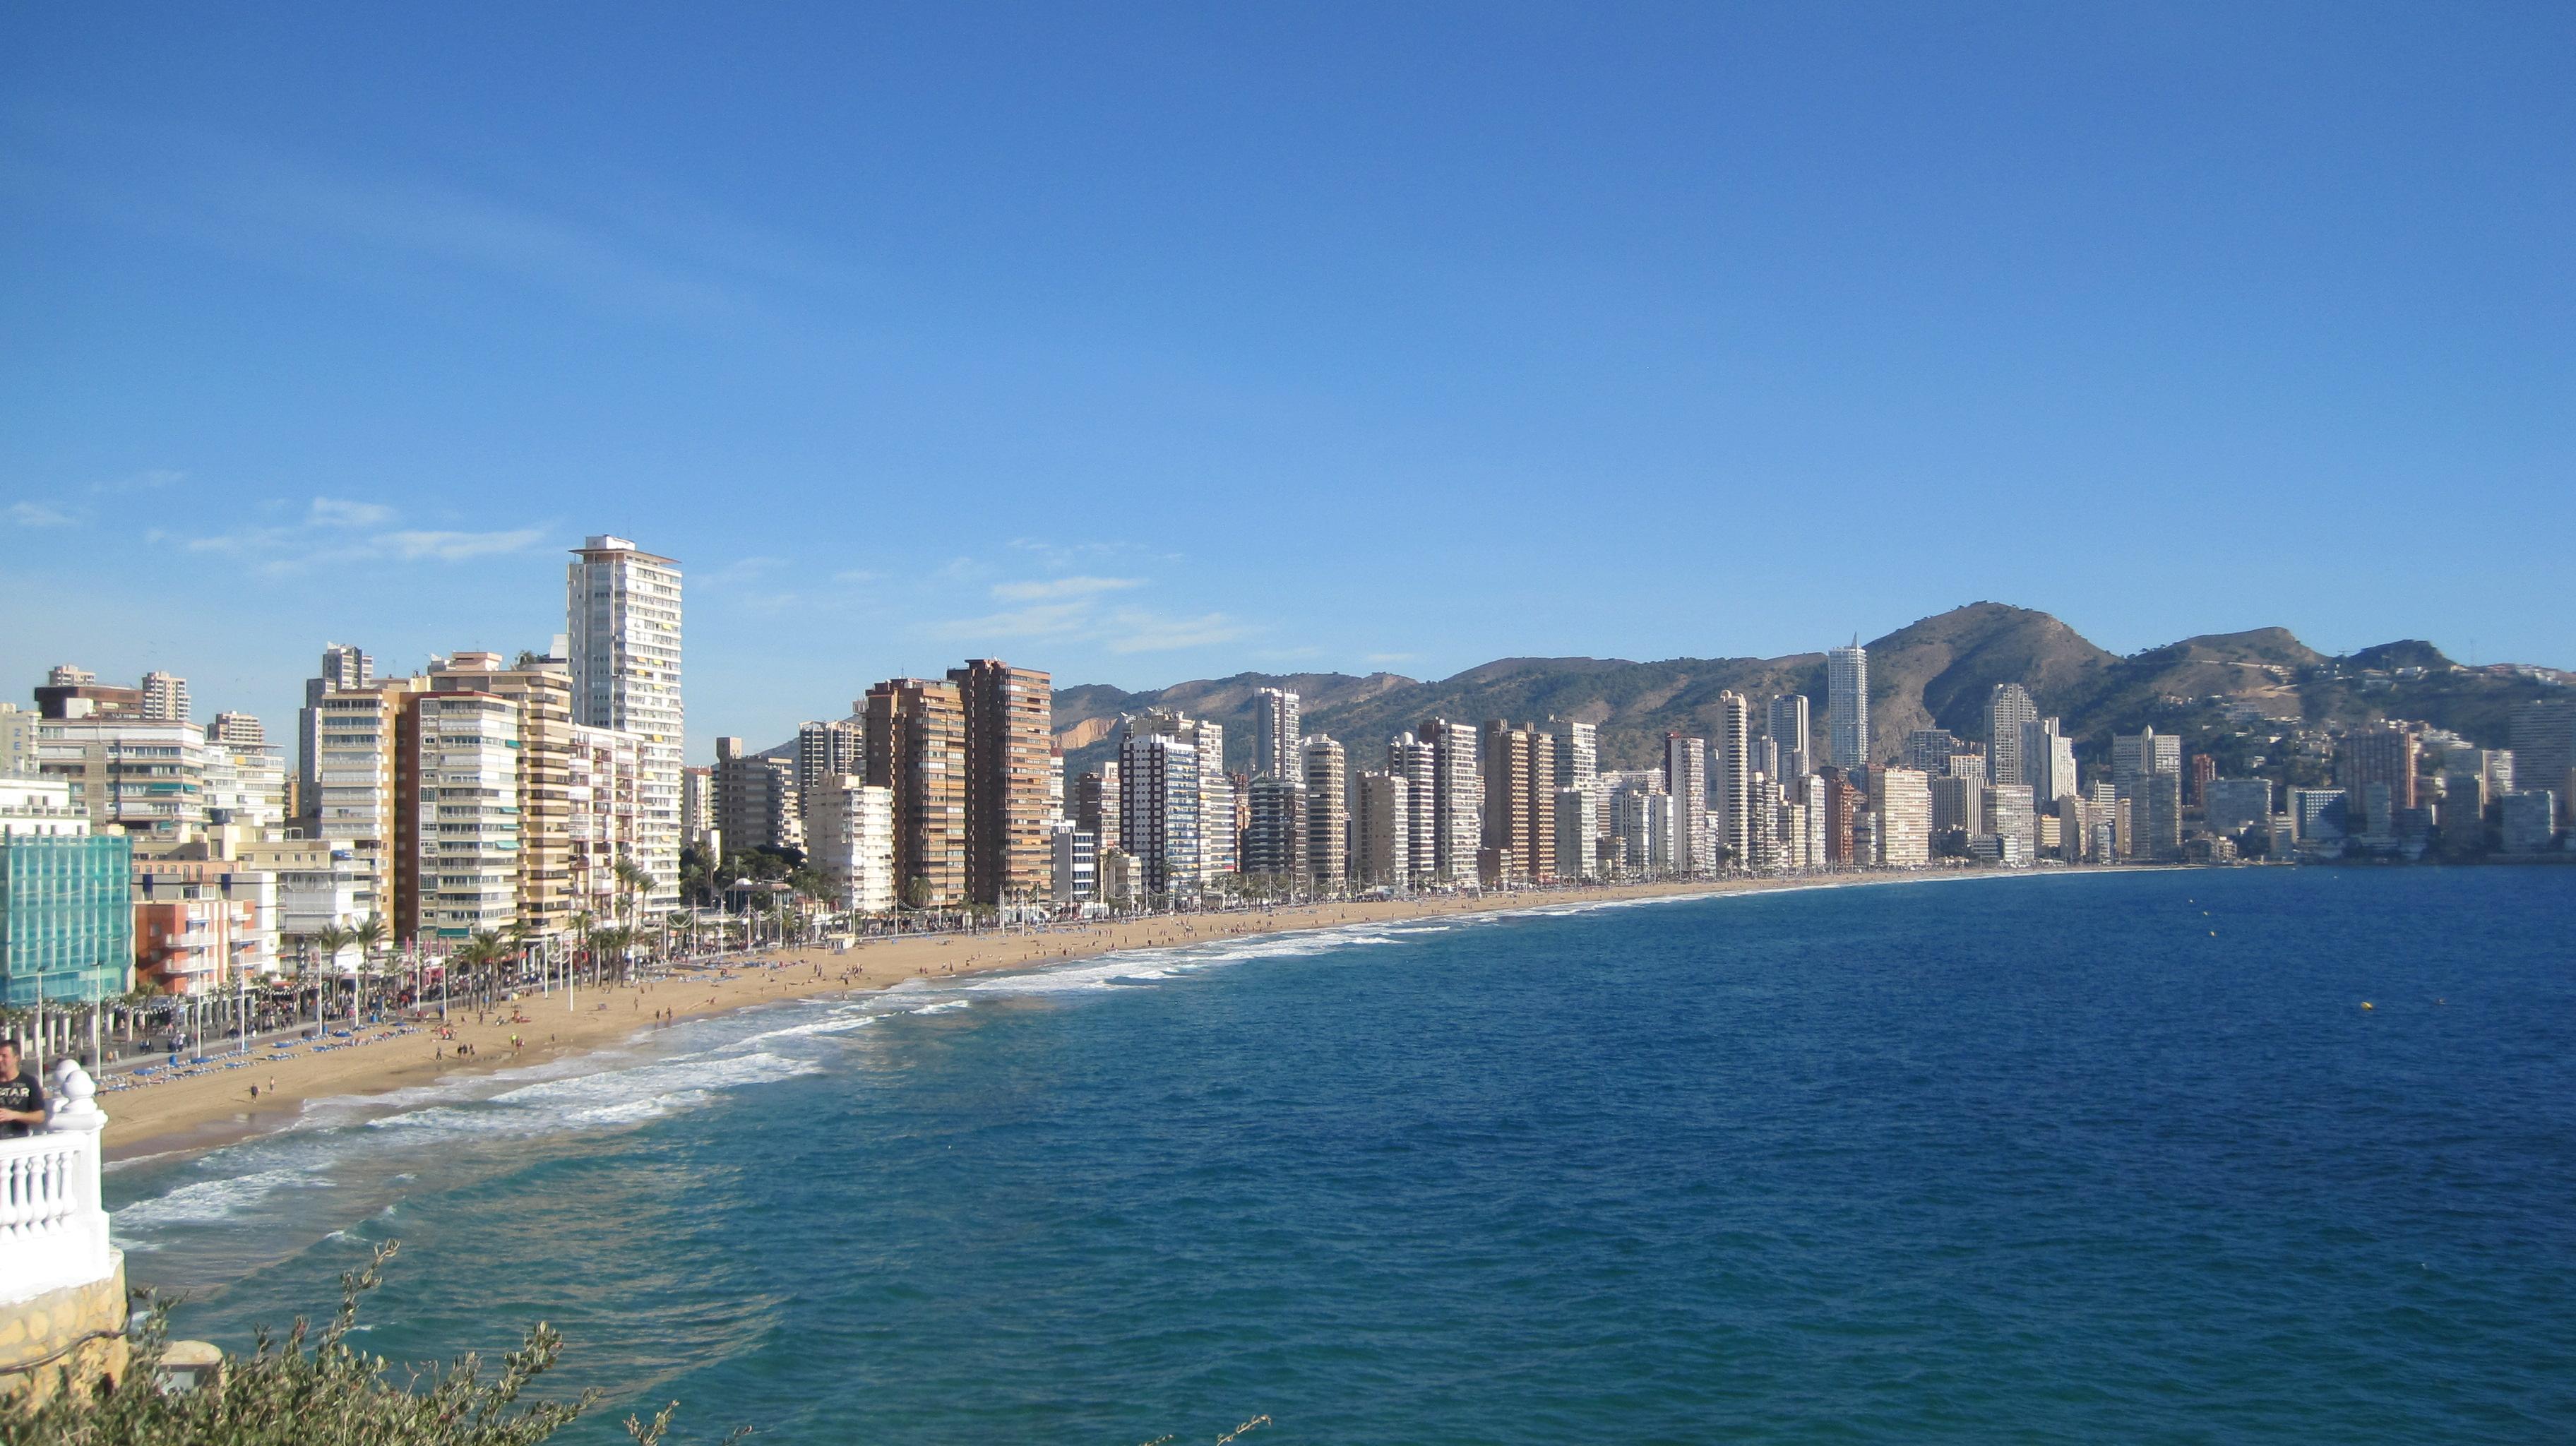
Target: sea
2258, 1155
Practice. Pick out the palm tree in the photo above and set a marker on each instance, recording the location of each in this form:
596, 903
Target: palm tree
370, 936
481, 954
635, 882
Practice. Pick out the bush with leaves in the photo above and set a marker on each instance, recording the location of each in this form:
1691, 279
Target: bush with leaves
313, 1389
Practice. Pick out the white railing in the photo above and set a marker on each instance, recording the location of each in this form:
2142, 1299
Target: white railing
53, 1232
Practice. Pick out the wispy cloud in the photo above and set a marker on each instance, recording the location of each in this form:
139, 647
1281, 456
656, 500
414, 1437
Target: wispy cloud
1134, 630
1054, 587
339, 512
611, 245
151, 479
334, 530
458, 546
38, 514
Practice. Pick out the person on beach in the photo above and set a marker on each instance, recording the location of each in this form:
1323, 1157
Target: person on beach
22, 1100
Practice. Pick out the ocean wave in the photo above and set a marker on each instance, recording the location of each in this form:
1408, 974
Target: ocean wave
207, 1201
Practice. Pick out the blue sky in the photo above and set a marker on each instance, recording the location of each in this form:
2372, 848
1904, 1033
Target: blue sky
1144, 344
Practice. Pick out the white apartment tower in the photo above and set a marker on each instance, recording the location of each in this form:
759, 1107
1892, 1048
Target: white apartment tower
1733, 766
2008, 707
623, 605
1847, 706
1686, 779
1785, 722
1411, 759
1457, 800
1276, 727
165, 698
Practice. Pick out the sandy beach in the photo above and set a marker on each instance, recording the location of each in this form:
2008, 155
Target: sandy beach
217, 1108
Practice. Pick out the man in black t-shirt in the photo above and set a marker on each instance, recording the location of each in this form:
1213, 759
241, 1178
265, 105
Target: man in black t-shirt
22, 1100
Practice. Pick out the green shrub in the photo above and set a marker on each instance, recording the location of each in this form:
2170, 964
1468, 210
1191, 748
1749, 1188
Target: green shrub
312, 1389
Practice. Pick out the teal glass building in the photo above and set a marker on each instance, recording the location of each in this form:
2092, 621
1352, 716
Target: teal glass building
66, 918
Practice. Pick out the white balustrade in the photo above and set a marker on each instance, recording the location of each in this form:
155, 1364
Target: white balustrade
53, 1231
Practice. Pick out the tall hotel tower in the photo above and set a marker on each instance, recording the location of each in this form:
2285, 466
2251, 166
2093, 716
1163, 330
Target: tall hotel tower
624, 615
1847, 706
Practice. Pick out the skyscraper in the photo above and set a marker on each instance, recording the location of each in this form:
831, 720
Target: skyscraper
2008, 707
1520, 799
1328, 810
2047, 762
1158, 823
2544, 750
916, 742
1578, 753
2380, 753
1276, 728
1274, 845
1380, 830
1902, 798
1009, 721
1784, 718
623, 606
1847, 706
1415, 762
343, 668
1458, 799
1733, 766
825, 751
759, 803
1686, 779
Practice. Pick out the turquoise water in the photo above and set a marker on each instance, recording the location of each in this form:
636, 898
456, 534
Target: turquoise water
2110, 1156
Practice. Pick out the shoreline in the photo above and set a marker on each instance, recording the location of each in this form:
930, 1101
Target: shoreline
210, 1111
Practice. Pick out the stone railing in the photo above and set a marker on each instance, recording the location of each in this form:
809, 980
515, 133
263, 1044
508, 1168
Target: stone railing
53, 1232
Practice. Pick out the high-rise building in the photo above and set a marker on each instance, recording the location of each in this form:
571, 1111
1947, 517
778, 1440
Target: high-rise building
1839, 808
1415, 762
1328, 812
456, 806
1902, 799
146, 777
1095, 805
1732, 765
1927, 749
1274, 845
1077, 862
165, 698
824, 751
1686, 779
1958, 806
1215, 831
1578, 753
2135, 755
1158, 825
1578, 824
2156, 810
2381, 753
1380, 828
344, 669
2202, 770
698, 827
2231, 804
2529, 821
1457, 799
603, 772
1010, 719
850, 825
66, 909
1275, 731
2047, 762
916, 743
1847, 706
1641, 819
1784, 721
2544, 749
539, 691
623, 608
1520, 800
758, 805
2008, 707
2464, 808
358, 738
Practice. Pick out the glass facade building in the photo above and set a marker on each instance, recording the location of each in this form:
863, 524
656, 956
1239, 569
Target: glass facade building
66, 918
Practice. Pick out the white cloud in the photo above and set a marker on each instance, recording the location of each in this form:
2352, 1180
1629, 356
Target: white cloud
1134, 630
340, 512
38, 514
1063, 587
151, 479
458, 546
1046, 620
